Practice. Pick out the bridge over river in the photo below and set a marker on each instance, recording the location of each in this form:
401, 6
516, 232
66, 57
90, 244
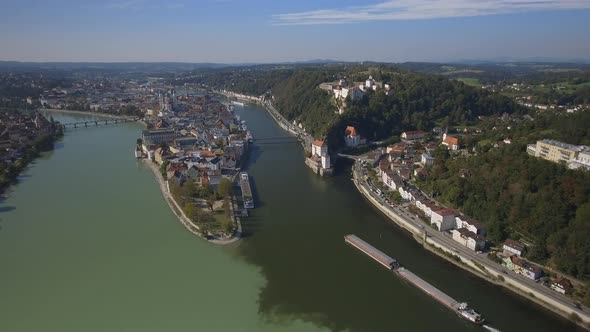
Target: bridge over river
277, 140
96, 123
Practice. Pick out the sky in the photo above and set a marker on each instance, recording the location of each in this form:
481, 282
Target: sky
259, 31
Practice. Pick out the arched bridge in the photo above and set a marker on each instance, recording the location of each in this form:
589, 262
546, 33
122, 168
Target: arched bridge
96, 123
276, 140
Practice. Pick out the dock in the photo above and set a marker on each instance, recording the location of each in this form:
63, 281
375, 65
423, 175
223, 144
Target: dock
460, 308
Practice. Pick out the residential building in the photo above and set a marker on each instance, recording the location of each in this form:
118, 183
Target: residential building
470, 224
158, 136
426, 206
351, 138
531, 149
582, 161
412, 135
513, 247
469, 239
559, 152
161, 154
525, 268
562, 285
426, 159
444, 219
452, 143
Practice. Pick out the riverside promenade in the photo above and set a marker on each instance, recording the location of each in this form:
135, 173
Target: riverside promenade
184, 220
478, 264
304, 138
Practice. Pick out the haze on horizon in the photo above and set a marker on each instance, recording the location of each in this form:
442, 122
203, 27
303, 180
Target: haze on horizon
257, 31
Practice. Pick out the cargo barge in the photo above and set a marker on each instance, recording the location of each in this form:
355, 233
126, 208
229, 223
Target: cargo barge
461, 308
246, 191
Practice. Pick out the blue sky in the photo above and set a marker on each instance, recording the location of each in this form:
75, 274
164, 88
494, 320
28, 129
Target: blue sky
238, 31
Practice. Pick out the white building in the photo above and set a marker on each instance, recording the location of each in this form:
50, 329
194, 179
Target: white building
326, 161
581, 161
444, 219
469, 239
471, 225
369, 82
562, 286
353, 92
426, 206
513, 247
319, 148
452, 143
351, 138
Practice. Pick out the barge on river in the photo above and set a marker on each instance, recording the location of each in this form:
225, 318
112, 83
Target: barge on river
460, 308
246, 191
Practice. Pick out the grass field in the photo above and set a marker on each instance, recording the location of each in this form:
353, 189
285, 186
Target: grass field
567, 87
460, 71
470, 81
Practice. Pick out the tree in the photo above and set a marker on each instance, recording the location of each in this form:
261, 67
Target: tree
163, 168
395, 197
225, 187
190, 211
189, 189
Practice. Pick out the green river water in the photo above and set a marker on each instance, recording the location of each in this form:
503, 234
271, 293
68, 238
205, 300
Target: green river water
87, 243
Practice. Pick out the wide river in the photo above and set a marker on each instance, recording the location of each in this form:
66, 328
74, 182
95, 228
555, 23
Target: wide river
87, 243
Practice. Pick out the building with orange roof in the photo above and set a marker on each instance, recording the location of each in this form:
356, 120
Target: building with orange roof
452, 143
351, 137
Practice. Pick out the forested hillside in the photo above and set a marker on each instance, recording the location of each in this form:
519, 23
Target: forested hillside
419, 101
517, 195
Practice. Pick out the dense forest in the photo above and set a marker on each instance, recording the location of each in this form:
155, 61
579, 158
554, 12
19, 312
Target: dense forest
419, 101
524, 197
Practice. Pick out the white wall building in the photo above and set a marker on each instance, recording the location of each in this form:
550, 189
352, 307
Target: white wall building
443, 219
468, 239
513, 247
351, 138
319, 148
471, 225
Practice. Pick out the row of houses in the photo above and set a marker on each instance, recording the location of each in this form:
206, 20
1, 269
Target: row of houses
465, 230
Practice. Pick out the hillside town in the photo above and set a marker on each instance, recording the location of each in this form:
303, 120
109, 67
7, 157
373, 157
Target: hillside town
394, 174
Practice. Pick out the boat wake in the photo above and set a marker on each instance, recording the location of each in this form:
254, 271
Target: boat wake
491, 329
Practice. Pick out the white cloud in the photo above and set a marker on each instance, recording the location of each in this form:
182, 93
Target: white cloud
423, 9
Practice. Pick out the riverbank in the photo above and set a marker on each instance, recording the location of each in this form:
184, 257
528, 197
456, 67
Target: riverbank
184, 220
21, 153
106, 115
304, 138
469, 264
